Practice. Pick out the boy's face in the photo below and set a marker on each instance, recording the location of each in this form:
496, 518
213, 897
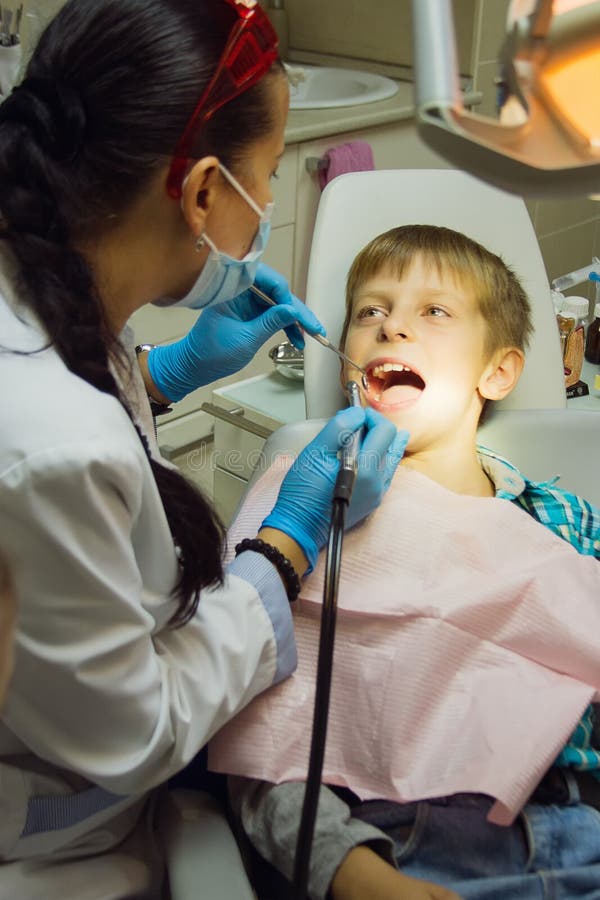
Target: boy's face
428, 331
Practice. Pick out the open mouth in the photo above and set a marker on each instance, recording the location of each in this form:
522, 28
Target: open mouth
394, 383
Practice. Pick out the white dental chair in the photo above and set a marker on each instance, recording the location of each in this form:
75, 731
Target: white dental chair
532, 427
202, 856
196, 844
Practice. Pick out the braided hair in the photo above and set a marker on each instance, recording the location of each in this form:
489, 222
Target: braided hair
106, 95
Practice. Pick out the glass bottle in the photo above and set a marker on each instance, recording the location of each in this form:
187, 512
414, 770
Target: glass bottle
592, 342
571, 322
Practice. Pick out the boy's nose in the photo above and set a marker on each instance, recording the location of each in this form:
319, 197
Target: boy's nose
393, 329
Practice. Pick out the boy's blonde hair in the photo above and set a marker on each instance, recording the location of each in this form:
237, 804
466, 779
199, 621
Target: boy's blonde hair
502, 301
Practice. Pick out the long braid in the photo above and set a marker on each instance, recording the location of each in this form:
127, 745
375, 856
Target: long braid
60, 289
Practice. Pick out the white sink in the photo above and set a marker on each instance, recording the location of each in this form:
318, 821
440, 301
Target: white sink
321, 87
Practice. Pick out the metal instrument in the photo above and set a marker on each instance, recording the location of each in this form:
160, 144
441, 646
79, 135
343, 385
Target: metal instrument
325, 342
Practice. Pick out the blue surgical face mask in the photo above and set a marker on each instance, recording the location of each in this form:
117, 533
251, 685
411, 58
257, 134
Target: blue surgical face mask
224, 277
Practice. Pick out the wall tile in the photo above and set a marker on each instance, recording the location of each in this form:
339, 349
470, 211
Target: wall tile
465, 26
36, 13
569, 249
532, 206
493, 27
554, 215
379, 30
484, 82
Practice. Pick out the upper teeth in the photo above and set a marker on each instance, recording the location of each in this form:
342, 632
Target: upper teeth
389, 367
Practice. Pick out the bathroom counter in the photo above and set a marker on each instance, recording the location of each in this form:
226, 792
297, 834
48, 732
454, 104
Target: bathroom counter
309, 124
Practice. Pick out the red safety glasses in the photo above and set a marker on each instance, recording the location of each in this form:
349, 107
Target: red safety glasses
249, 53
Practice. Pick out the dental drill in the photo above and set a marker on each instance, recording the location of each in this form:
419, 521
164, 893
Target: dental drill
342, 494
349, 461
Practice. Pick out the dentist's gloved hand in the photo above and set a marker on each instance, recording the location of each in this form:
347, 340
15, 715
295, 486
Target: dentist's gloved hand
303, 508
226, 337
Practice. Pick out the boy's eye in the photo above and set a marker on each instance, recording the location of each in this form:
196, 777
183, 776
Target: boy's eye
436, 311
369, 312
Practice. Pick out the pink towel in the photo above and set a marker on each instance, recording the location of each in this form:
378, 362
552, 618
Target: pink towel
356, 156
467, 647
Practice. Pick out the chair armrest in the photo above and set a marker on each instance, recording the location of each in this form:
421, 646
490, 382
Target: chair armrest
201, 854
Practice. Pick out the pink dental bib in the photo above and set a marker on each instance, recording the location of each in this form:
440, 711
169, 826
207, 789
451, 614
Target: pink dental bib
467, 647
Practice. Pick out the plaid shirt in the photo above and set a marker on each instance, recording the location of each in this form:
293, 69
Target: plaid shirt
578, 522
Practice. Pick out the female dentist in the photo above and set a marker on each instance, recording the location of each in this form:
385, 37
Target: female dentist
135, 161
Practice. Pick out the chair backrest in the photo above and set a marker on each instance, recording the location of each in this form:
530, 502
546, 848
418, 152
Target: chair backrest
355, 208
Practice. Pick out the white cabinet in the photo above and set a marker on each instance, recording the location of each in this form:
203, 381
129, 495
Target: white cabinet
245, 414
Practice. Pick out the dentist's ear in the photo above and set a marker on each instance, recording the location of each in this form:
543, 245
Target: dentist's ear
502, 373
198, 193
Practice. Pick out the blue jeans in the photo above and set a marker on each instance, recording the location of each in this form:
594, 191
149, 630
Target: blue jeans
550, 852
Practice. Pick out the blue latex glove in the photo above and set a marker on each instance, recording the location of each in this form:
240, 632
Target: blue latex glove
303, 508
226, 337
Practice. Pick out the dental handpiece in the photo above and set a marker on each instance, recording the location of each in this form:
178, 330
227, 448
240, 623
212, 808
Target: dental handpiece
346, 476
325, 342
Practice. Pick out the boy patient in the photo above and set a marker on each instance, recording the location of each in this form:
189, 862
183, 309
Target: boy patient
441, 325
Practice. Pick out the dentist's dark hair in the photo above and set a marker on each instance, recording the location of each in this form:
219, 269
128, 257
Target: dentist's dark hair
106, 95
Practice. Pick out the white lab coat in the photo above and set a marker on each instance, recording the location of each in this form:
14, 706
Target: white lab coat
106, 702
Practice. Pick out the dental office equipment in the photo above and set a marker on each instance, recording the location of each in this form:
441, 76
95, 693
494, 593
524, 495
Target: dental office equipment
579, 276
349, 459
288, 360
325, 342
547, 139
342, 494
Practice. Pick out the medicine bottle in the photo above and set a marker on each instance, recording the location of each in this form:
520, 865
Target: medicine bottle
571, 325
592, 342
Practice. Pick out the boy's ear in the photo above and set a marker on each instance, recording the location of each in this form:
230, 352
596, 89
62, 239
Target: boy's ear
501, 374
199, 192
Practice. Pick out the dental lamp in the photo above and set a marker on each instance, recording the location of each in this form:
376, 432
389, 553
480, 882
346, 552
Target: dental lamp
546, 140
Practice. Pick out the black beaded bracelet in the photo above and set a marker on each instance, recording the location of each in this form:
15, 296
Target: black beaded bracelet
281, 563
